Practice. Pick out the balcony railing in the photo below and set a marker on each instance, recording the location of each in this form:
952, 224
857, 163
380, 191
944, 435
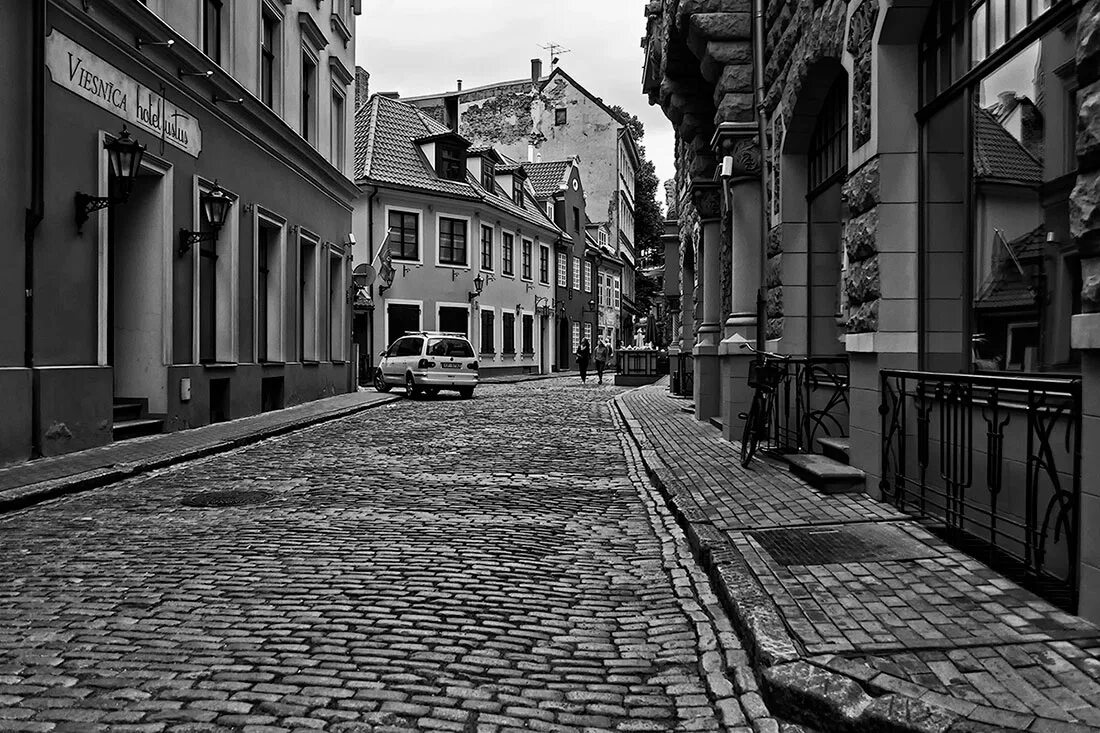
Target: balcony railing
994, 462
811, 402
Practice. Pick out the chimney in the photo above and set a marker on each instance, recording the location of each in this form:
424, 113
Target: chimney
450, 112
390, 95
362, 86
536, 70
460, 85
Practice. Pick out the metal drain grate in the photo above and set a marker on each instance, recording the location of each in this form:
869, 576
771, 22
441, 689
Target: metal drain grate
841, 544
227, 498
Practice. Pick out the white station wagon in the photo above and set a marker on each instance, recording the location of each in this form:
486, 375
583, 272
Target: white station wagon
427, 362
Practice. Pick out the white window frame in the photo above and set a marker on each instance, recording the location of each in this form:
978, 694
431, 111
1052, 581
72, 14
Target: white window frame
276, 305
227, 278
386, 316
309, 299
512, 234
576, 284
616, 283
338, 130
314, 116
493, 251
440, 305
563, 270
587, 276
588, 333
1010, 333
496, 343
575, 333
549, 263
419, 231
527, 245
337, 304
459, 217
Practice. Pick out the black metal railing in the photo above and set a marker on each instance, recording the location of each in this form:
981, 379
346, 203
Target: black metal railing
995, 463
811, 402
682, 378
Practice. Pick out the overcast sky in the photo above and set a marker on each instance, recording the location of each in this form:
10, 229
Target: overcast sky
423, 46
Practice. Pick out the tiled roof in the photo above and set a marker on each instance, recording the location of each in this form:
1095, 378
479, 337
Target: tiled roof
1000, 157
547, 177
1032, 245
385, 153
1004, 289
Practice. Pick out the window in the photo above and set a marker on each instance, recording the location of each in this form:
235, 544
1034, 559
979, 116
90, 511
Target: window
576, 273
602, 238
507, 252
401, 318
526, 273
588, 332
487, 346
487, 248
828, 154
309, 87
404, 234
508, 332
452, 241
449, 163
488, 175
212, 29
563, 270
588, 277
550, 210
517, 190
600, 289
307, 299
576, 334
528, 334
410, 346
453, 319
544, 265
269, 290
336, 302
208, 298
576, 219
268, 52
336, 130
561, 116
617, 302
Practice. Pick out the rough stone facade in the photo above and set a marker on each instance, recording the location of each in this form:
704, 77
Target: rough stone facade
798, 36
1085, 202
773, 272
861, 197
861, 30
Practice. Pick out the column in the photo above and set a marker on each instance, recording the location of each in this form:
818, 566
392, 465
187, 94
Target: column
707, 197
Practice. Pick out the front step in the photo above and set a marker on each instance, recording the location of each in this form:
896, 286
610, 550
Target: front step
125, 429
827, 475
128, 410
835, 448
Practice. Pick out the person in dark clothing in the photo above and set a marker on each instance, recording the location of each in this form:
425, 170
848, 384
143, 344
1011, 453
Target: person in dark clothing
602, 354
584, 353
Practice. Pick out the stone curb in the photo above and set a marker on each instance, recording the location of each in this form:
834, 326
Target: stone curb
26, 496
796, 690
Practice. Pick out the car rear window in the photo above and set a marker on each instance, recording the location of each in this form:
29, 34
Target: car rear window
450, 347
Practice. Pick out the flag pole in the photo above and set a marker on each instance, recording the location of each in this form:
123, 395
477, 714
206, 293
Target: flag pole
389, 233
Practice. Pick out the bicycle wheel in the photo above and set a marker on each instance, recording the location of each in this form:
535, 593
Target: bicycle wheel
751, 434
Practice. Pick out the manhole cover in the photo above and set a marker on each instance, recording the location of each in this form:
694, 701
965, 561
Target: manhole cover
227, 498
841, 544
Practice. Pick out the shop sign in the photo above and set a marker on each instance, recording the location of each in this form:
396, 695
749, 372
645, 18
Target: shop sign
85, 74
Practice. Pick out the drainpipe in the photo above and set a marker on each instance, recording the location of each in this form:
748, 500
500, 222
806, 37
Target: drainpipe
35, 211
758, 68
370, 316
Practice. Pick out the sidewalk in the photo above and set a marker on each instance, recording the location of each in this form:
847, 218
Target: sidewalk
857, 617
34, 481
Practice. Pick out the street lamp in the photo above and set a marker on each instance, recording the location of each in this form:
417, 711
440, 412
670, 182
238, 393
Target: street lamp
214, 207
124, 154
479, 284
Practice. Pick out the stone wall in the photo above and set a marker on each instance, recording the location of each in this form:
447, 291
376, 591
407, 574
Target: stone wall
798, 36
773, 282
861, 197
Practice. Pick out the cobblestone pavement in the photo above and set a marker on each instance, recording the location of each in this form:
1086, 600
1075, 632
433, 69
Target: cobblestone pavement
858, 611
481, 565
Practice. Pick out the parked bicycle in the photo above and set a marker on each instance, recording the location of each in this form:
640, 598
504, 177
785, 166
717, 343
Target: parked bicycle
765, 375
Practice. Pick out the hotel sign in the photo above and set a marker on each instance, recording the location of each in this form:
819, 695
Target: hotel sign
85, 74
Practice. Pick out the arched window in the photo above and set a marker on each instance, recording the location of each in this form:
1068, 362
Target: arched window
828, 154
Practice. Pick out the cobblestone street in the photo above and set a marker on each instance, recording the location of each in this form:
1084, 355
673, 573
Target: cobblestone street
458, 565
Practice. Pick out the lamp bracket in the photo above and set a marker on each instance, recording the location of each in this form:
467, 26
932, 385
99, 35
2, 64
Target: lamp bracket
86, 204
454, 275
188, 238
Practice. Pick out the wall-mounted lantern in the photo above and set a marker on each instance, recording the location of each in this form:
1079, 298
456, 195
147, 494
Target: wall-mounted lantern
124, 154
479, 285
214, 208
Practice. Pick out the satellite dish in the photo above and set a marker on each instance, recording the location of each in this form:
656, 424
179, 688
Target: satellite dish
364, 275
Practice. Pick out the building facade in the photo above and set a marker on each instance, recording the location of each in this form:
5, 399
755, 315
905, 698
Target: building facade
553, 117
138, 311
453, 216
911, 233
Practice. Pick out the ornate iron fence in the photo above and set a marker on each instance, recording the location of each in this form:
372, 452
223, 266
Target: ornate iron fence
995, 463
811, 402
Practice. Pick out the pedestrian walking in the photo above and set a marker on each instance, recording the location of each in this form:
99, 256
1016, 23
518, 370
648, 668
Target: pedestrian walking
584, 353
602, 354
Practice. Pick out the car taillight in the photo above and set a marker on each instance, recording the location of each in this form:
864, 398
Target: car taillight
472, 365
425, 364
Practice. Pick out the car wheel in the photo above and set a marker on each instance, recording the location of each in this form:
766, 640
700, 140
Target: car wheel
411, 390
379, 382
466, 392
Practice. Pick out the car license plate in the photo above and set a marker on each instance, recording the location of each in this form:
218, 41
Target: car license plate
451, 365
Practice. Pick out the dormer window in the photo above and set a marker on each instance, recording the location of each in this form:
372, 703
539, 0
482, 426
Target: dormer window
488, 182
449, 163
517, 190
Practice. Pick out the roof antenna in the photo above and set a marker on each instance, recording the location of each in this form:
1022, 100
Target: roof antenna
556, 50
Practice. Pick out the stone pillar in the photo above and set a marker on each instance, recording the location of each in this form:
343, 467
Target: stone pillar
707, 198
1085, 226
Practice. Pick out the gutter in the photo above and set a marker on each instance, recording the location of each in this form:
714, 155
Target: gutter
36, 209
758, 69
